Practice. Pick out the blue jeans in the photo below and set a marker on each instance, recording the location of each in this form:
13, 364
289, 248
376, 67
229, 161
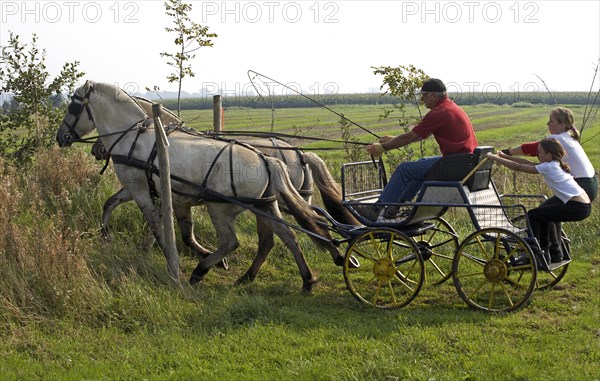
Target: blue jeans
407, 180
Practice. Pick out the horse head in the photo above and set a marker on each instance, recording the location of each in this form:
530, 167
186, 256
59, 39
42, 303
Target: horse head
80, 102
115, 107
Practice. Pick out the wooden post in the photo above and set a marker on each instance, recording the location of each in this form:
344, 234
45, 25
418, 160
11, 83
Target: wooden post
166, 203
217, 116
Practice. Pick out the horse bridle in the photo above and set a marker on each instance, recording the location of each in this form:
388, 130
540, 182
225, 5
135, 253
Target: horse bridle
75, 109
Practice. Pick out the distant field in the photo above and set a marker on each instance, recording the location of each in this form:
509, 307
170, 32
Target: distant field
499, 126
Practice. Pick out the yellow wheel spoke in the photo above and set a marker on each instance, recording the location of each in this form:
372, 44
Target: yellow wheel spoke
473, 259
402, 281
435, 266
395, 300
483, 283
364, 255
470, 275
497, 247
482, 247
491, 300
507, 294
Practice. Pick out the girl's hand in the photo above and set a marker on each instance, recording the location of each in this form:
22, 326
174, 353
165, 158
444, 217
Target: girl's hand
491, 156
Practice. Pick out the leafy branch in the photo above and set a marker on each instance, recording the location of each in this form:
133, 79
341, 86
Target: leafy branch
190, 37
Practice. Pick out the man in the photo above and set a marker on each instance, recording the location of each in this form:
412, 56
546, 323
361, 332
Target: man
451, 128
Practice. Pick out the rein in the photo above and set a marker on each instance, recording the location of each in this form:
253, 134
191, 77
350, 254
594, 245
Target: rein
287, 136
257, 74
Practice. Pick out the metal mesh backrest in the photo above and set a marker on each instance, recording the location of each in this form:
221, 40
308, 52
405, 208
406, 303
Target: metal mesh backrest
362, 180
511, 218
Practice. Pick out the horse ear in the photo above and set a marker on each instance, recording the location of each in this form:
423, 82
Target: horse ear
88, 85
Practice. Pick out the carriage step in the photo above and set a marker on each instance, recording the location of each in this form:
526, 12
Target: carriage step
554, 265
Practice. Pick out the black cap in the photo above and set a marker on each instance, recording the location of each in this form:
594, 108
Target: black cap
433, 85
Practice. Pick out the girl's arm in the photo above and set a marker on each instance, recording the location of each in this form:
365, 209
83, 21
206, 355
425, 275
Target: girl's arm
519, 160
521, 166
528, 149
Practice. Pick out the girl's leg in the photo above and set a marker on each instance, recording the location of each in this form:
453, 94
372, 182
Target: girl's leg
551, 214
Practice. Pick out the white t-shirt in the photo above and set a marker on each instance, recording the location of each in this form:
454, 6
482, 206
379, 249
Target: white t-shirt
560, 182
580, 164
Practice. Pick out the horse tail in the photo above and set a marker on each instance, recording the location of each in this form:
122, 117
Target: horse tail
296, 205
331, 192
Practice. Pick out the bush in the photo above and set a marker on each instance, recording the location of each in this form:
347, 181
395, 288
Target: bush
36, 106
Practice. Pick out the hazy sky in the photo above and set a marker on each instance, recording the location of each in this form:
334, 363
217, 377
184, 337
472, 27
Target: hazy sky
323, 46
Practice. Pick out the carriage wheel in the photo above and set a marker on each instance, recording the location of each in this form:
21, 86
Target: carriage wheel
548, 279
485, 272
391, 272
438, 246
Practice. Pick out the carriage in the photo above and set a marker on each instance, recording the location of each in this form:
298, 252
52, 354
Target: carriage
387, 261
496, 267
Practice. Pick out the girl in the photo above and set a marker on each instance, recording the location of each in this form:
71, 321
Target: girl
571, 202
561, 127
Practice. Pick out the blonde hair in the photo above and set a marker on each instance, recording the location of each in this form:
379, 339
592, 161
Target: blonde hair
556, 151
565, 117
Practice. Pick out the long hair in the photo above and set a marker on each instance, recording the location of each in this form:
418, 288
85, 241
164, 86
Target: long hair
556, 151
565, 117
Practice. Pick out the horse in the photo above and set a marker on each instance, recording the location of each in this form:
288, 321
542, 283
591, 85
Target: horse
227, 177
305, 168
301, 166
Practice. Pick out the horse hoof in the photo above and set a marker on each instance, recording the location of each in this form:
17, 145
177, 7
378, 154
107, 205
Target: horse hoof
223, 264
244, 280
198, 275
307, 285
106, 235
352, 263
194, 280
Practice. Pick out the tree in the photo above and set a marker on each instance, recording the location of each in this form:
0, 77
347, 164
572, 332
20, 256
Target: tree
190, 37
31, 120
403, 83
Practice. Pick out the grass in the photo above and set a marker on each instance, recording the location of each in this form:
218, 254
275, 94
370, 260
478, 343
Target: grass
75, 308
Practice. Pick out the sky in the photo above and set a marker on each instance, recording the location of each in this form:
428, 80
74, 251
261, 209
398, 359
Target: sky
322, 46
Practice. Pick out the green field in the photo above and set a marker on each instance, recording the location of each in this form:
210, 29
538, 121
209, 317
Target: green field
73, 307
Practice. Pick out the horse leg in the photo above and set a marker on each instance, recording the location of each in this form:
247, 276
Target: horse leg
265, 244
286, 235
186, 227
121, 197
152, 214
222, 217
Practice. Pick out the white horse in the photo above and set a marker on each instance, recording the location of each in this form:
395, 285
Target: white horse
305, 170
203, 170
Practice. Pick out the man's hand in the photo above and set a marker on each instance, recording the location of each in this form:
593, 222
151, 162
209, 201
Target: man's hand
375, 149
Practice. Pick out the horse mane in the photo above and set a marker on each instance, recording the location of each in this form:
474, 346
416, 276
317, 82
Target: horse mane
118, 94
141, 101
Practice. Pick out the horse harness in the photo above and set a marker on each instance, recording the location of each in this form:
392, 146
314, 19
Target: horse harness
203, 192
